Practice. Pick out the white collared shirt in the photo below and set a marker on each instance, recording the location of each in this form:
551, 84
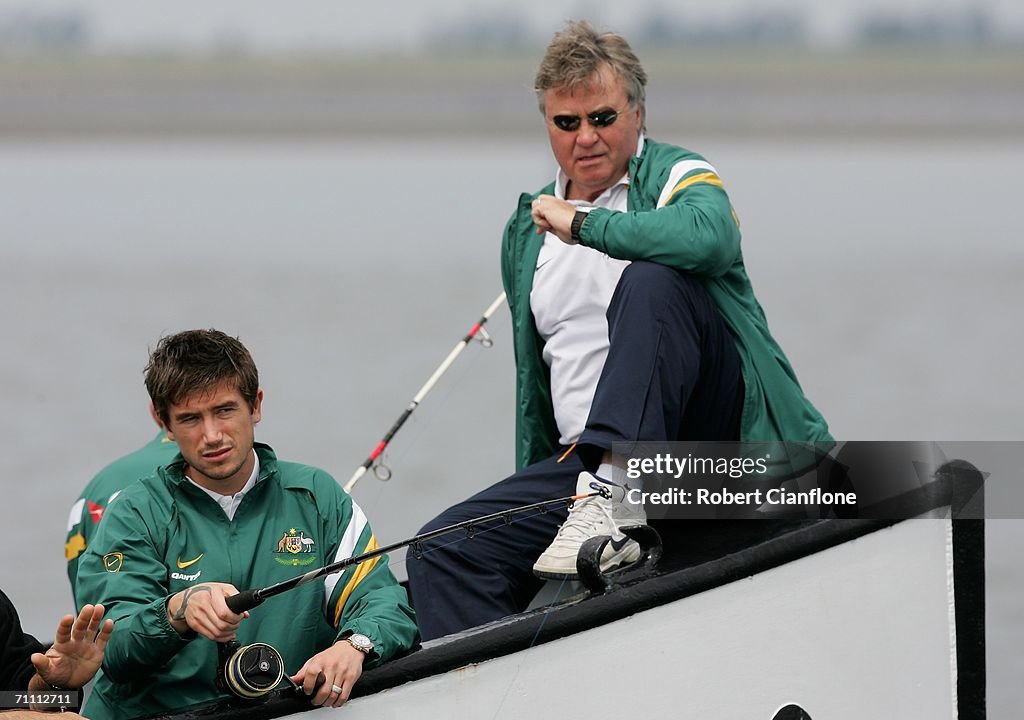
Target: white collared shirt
572, 288
229, 503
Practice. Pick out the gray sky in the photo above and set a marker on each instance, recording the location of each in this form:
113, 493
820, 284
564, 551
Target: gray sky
403, 24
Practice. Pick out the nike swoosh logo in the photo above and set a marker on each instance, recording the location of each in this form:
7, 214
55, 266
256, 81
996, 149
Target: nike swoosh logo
193, 561
542, 264
617, 544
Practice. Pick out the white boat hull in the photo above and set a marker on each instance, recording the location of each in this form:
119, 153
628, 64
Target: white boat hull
863, 629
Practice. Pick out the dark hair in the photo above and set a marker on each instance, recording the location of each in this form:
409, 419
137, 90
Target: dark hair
576, 53
197, 360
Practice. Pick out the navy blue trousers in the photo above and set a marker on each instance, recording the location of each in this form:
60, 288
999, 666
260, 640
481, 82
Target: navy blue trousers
672, 373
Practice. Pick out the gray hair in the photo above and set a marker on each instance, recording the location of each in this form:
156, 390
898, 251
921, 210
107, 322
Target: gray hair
578, 51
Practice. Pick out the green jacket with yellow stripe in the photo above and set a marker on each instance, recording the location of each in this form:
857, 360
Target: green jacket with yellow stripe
679, 215
88, 509
163, 535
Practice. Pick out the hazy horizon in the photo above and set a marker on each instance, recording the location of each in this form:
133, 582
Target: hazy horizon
410, 26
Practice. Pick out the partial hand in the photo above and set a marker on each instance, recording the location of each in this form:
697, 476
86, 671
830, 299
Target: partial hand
77, 651
202, 608
335, 670
553, 215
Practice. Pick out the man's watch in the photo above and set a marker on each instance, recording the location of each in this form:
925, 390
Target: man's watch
577, 224
360, 642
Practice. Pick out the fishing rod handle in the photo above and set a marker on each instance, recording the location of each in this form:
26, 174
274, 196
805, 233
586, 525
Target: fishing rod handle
245, 600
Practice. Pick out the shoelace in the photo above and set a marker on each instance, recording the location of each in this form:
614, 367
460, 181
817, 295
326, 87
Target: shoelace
584, 516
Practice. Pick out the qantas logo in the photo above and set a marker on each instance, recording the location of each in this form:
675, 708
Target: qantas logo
95, 512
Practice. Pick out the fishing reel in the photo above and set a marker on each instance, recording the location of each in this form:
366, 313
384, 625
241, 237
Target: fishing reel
249, 672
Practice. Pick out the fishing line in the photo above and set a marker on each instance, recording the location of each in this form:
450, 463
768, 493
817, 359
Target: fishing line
554, 600
248, 599
533, 642
476, 534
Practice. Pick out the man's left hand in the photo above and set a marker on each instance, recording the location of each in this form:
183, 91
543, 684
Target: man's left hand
335, 670
77, 651
553, 215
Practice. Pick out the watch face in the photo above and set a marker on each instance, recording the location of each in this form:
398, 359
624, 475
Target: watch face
577, 224
361, 642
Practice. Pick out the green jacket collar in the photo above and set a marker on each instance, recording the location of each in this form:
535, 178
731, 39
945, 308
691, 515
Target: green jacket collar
174, 471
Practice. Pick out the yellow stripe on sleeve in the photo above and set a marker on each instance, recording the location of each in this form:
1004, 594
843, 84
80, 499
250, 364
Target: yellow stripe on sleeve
708, 177
362, 570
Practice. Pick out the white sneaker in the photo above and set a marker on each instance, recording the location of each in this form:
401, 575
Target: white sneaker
589, 518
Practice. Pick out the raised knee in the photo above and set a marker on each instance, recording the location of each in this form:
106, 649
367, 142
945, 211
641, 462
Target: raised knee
648, 278
643, 271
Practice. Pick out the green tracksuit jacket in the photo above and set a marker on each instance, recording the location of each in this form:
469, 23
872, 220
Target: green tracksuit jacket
163, 535
91, 504
695, 231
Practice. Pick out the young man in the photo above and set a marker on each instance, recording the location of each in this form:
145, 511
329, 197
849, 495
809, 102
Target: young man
633, 320
227, 515
68, 664
88, 509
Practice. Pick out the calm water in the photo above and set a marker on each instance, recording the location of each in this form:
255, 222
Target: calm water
889, 272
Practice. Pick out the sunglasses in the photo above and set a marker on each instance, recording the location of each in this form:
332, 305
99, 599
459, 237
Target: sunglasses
599, 119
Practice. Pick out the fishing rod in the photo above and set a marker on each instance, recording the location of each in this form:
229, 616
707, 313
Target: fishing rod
248, 599
382, 471
250, 672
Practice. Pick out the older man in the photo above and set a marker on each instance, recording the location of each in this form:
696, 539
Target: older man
633, 320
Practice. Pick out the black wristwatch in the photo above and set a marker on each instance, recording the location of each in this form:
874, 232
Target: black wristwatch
577, 224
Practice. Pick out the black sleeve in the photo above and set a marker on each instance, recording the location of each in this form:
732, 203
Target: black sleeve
15, 667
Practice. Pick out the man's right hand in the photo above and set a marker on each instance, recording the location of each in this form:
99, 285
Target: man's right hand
76, 653
202, 608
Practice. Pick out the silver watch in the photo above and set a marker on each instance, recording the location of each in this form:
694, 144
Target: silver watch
360, 642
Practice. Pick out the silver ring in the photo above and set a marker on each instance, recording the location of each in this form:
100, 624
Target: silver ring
336, 690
